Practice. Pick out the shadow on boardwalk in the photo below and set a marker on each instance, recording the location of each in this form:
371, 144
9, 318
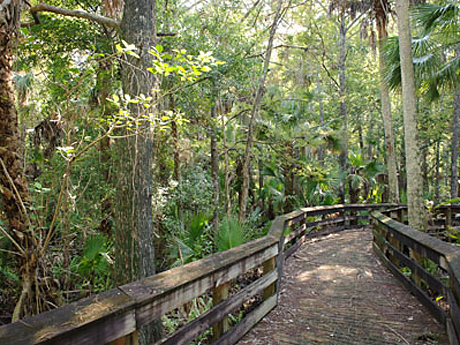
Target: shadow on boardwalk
335, 291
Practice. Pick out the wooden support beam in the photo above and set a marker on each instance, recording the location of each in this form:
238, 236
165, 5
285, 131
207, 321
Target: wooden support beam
220, 294
269, 266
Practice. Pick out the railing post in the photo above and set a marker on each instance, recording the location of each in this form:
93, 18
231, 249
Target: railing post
395, 243
130, 339
219, 294
269, 266
401, 215
418, 258
448, 214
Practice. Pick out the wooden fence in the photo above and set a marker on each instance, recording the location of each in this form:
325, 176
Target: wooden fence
427, 266
115, 316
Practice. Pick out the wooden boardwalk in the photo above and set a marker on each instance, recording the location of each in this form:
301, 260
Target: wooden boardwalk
335, 291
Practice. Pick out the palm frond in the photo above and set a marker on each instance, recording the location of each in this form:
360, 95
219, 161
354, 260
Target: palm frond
431, 16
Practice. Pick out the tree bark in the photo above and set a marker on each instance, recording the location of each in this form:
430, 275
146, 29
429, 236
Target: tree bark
255, 111
455, 142
134, 237
288, 171
13, 184
214, 161
343, 157
393, 186
436, 193
415, 203
321, 119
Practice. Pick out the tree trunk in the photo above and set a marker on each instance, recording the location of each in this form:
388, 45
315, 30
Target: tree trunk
228, 200
415, 203
455, 138
175, 138
393, 186
134, 238
321, 119
436, 182
288, 171
214, 161
13, 185
255, 110
343, 157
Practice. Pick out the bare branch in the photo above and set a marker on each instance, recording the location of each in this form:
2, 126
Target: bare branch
21, 250
330, 75
73, 13
109, 22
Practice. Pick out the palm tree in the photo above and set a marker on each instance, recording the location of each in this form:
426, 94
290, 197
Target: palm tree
439, 26
441, 23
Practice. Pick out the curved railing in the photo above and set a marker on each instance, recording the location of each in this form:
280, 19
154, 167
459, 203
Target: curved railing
427, 266
115, 316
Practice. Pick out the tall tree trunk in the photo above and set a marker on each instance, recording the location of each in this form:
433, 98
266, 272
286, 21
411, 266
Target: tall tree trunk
455, 142
288, 171
436, 181
343, 157
261, 185
228, 200
176, 154
134, 238
255, 111
214, 161
13, 185
415, 204
321, 119
393, 186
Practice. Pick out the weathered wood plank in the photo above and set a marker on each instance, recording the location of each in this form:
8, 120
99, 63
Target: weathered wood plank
203, 322
157, 296
434, 309
237, 332
454, 312
428, 246
277, 228
95, 320
269, 266
325, 232
453, 337
435, 284
130, 339
296, 233
288, 252
453, 260
219, 294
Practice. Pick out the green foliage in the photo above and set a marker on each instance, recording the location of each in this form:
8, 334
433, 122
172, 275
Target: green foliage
454, 234
192, 243
94, 265
230, 234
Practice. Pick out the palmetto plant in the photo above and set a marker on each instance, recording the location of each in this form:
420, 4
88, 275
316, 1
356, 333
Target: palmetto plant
192, 243
230, 234
435, 58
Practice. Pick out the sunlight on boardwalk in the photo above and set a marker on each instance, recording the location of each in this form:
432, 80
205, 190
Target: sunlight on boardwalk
335, 291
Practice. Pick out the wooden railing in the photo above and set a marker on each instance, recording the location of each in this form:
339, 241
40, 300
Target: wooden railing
427, 266
114, 317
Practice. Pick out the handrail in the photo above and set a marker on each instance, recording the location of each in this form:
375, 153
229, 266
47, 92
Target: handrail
401, 247
115, 316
